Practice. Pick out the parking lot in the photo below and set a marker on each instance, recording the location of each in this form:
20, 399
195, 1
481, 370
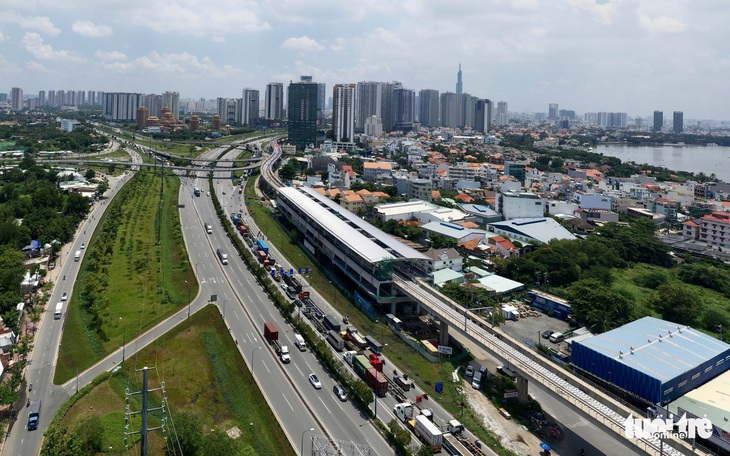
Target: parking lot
531, 328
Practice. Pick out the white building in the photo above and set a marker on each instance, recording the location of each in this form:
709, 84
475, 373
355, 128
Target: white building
541, 230
439, 259
513, 205
69, 125
593, 200
274, 101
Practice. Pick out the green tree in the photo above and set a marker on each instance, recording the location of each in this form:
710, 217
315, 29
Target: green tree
189, 432
439, 241
425, 450
676, 303
90, 432
594, 303
90, 174
102, 187
61, 442
217, 443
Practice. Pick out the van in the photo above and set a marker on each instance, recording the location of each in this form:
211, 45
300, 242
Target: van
339, 392
557, 337
223, 256
476, 381
208, 228
299, 342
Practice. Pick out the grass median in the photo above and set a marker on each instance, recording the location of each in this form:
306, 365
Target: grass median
128, 281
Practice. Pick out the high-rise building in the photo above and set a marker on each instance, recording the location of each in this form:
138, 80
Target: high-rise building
51, 98
250, 107
429, 107
274, 101
678, 121
41, 98
16, 99
658, 121
373, 126
171, 100
459, 83
553, 113
344, 103
483, 115
302, 112
90, 97
449, 104
321, 98
502, 114
404, 109
368, 103
466, 110
120, 105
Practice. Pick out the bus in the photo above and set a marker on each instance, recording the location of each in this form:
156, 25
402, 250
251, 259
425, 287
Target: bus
34, 416
196, 191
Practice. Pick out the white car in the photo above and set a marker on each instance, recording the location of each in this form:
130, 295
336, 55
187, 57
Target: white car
207, 193
315, 381
64, 296
469, 370
83, 245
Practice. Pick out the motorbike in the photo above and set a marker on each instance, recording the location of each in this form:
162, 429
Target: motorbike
30, 387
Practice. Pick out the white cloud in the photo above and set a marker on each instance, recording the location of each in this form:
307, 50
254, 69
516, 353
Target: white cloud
90, 29
2, 37
182, 63
302, 44
36, 66
42, 24
218, 39
34, 44
662, 24
338, 45
218, 17
110, 56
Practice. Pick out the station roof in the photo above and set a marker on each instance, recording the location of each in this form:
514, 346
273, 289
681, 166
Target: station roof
541, 229
660, 349
369, 242
452, 230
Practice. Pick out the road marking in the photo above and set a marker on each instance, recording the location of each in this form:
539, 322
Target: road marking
340, 406
267, 368
250, 339
300, 371
325, 406
239, 282
287, 401
234, 313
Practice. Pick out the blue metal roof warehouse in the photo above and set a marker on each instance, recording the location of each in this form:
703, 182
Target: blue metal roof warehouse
655, 359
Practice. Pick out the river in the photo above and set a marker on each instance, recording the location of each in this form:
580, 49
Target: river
696, 159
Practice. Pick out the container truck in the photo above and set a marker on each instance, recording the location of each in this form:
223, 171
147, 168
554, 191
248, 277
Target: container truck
330, 322
57, 313
335, 340
429, 433
374, 345
350, 356
354, 336
360, 364
272, 335
263, 246
377, 381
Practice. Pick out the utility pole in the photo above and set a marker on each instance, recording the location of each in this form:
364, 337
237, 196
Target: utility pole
145, 410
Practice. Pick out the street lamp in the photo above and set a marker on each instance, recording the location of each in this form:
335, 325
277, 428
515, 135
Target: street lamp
253, 354
301, 448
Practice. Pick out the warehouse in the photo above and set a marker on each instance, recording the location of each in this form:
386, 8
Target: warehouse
654, 359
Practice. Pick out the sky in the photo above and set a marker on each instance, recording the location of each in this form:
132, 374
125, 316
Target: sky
633, 56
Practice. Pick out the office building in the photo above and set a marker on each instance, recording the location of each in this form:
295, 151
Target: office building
404, 109
553, 111
459, 83
16, 99
429, 107
502, 114
274, 101
483, 115
344, 102
120, 105
250, 107
368, 103
466, 110
678, 122
302, 112
658, 121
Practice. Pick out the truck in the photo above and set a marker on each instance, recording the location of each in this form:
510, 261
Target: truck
223, 255
377, 381
335, 340
404, 382
196, 191
376, 362
510, 312
34, 415
271, 334
284, 354
360, 364
354, 336
236, 218
244, 230
405, 411
261, 256
299, 342
303, 295
57, 313
428, 432
263, 246
374, 345
330, 322
350, 356
77, 256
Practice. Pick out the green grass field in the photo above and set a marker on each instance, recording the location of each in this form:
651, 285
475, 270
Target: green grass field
204, 374
146, 282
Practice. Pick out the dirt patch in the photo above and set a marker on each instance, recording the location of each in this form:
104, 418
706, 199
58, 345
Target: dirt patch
512, 434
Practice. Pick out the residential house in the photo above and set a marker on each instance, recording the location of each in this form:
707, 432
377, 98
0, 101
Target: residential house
439, 259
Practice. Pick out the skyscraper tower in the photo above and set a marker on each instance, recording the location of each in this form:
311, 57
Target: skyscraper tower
250, 107
16, 99
678, 121
658, 121
553, 113
274, 100
302, 112
429, 108
459, 83
344, 103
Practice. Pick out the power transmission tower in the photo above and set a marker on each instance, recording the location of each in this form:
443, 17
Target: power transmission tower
144, 411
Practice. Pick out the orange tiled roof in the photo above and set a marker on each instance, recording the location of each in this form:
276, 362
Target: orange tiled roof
435, 194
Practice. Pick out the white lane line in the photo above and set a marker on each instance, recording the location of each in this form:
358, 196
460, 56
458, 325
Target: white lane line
287, 401
250, 339
325, 406
267, 368
234, 313
300, 371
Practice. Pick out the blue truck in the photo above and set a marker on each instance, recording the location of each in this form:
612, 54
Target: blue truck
263, 246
